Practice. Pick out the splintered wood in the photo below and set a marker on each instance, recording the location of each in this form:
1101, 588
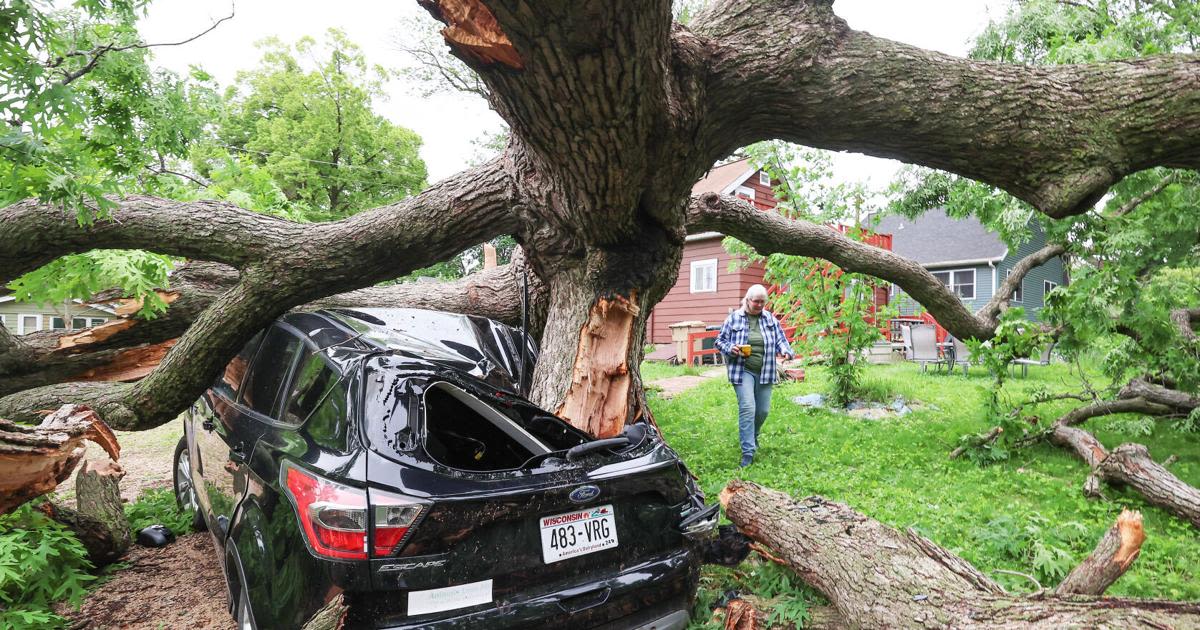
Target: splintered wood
472, 30
34, 460
598, 399
129, 365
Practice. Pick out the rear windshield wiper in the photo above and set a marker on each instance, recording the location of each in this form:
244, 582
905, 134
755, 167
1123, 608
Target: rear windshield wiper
632, 436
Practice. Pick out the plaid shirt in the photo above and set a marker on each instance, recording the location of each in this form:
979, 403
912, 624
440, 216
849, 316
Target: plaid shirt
736, 332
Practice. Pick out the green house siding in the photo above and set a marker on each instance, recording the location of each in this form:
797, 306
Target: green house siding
1033, 285
24, 318
983, 289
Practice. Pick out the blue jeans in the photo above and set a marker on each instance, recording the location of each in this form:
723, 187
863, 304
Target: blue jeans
754, 401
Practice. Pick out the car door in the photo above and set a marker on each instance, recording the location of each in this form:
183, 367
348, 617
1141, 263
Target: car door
210, 419
235, 427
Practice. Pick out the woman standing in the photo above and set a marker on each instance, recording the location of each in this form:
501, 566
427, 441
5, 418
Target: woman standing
751, 338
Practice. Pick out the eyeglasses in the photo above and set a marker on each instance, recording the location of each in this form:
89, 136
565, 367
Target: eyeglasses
758, 301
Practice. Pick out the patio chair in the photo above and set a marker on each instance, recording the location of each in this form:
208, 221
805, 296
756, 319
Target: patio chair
922, 346
962, 355
1044, 359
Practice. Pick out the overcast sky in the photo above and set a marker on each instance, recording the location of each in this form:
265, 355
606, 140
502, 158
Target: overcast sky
448, 123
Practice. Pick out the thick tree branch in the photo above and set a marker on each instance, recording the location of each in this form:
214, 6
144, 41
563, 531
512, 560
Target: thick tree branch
791, 69
1128, 464
769, 233
1186, 320
878, 577
991, 311
1112, 557
325, 259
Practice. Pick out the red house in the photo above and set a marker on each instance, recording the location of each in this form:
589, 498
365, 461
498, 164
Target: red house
706, 289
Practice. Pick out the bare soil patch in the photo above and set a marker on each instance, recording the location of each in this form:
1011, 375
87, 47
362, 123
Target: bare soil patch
177, 586
145, 456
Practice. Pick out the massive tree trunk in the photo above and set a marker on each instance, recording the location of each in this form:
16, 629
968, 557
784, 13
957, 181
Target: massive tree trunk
878, 577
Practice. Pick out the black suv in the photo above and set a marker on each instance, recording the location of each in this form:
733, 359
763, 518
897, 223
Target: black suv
389, 455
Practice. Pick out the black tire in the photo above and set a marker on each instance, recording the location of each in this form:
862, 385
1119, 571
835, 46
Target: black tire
185, 484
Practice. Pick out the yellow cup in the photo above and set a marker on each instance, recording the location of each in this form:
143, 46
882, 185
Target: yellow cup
745, 350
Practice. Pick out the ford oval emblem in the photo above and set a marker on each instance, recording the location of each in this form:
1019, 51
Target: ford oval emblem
583, 494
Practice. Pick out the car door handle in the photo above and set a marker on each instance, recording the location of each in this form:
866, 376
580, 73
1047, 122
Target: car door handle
208, 425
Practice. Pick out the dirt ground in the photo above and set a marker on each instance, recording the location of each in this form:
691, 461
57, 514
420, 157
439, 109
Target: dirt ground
145, 456
177, 586
674, 385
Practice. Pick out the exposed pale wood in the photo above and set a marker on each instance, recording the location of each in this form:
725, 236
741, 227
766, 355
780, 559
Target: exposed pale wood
35, 459
474, 32
1113, 556
598, 399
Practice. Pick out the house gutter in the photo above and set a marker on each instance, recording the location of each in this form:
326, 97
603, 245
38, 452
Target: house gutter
959, 263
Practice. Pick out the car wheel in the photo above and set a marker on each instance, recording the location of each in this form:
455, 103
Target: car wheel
185, 485
245, 618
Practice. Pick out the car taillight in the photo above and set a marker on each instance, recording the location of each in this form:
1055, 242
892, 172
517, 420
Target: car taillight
334, 516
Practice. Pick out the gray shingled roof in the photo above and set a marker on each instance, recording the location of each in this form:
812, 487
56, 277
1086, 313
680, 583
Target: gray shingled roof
935, 238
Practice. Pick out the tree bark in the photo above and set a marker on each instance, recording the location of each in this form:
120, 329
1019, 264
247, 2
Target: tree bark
34, 460
878, 577
791, 69
1113, 556
99, 519
1129, 464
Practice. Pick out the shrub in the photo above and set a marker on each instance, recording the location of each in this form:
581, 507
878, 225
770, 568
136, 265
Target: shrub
41, 562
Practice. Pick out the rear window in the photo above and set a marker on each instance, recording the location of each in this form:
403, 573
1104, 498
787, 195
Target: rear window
313, 383
275, 358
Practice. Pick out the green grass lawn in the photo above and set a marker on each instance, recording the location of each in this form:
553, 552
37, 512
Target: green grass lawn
1026, 514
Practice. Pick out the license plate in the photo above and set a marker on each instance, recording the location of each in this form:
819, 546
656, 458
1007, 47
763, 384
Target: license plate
578, 533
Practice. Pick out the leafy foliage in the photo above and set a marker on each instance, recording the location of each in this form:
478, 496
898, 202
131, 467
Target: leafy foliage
310, 126
135, 272
1132, 258
896, 470
41, 562
157, 506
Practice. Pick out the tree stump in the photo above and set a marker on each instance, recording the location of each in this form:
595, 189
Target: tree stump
99, 520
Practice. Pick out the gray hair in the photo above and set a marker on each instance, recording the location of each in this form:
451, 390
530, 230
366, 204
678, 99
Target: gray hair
756, 290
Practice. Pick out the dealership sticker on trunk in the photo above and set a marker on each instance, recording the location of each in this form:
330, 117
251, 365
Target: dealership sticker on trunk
449, 598
578, 533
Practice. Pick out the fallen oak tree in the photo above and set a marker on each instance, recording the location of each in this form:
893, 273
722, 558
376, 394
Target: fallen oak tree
876, 576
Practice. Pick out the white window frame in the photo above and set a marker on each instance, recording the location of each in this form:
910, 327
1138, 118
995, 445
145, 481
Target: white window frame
703, 264
744, 190
1018, 295
954, 285
764, 178
1047, 287
21, 323
3, 319
96, 321
61, 319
